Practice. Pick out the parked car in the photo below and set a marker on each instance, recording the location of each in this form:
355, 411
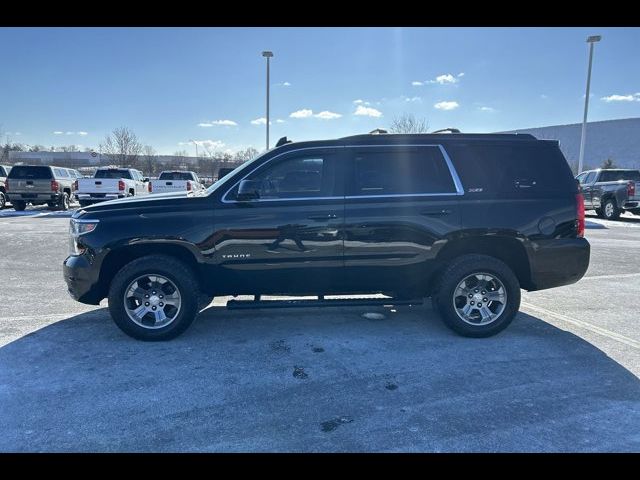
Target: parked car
111, 183
176, 181
4, 171
611, 191
467, 219
40, 184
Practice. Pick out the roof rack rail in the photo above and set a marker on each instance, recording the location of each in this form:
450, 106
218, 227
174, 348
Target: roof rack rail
378, 131
283, 141
447, 130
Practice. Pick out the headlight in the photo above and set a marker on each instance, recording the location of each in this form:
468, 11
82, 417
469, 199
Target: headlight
76, 229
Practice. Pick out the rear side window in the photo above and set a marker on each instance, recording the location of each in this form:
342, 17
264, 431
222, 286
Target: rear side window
615, 175
590, 178
31, 172
3, 172
113, 174
400, 171
511, 168
61, 172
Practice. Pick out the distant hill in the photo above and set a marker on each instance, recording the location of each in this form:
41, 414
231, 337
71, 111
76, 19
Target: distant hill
615, 139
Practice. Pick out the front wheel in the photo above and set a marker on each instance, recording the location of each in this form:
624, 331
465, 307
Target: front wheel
63, 204
3, 200
477, 296
154, 298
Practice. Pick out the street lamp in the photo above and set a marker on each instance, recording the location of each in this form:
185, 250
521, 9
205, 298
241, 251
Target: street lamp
196, 144
267, 54
590, 40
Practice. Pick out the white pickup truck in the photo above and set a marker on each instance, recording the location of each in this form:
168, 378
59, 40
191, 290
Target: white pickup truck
110, 184
176, 181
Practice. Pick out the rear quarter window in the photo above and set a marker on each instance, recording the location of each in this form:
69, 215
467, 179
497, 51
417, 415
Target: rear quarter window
512, 168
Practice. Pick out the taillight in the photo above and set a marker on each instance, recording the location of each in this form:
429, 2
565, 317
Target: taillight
580, 214
150, 187
75, 185
631, 189
188, 186
121, 185
54, 186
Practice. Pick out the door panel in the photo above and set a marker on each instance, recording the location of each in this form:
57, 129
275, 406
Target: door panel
400, 204
288, 241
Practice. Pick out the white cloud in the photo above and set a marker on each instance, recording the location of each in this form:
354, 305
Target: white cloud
452, 105
69, 133
14, 133
412, 99
304, 113
446, 78
327, 115
461, 74
226, 123
621, 98
487, 109
359, 101
207, 144
367, 112
58, 132
283, 84
416, 83
543, 96
83, 133
279, 120
260, 121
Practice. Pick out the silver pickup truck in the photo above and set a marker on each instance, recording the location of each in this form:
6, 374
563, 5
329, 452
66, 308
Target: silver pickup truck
610, 192
40, 184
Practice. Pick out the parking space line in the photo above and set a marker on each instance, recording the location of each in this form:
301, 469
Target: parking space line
622, 275
582, 324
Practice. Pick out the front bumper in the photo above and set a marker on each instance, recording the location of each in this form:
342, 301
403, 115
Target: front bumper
558, 262
82, 280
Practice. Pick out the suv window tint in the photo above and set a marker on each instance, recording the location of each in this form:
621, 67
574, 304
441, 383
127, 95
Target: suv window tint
113, 174
175, 176
509, 168
298, 176
31, 172
3, 172
615, 175
400, 171
590, 178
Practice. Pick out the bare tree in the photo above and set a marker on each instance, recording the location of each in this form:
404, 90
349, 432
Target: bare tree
608, 163
149, 155
122, 146
245, 155
408, 123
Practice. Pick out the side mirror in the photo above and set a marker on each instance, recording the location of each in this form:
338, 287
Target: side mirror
146, 179
248, 190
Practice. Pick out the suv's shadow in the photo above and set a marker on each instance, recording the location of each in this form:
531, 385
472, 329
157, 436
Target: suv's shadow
305, 380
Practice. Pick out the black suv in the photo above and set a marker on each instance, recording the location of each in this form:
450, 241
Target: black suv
467, 219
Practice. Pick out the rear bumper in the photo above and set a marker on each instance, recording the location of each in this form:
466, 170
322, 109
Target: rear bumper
558, 262
82, 280
34, 197
89, 198
631, 205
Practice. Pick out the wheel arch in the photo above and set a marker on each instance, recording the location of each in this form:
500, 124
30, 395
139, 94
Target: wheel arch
510, 250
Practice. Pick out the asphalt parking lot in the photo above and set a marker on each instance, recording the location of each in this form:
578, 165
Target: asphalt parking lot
563, 377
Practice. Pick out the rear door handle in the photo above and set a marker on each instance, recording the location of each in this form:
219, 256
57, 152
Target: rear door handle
436, 213
318, 218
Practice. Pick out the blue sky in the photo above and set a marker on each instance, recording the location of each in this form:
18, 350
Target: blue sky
171, 85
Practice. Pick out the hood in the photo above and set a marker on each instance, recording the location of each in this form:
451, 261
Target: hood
140, 201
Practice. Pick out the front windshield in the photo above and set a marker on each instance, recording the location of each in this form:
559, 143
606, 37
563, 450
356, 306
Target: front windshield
226, 179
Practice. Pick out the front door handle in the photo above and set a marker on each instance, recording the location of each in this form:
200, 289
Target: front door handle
319, 218
436, 213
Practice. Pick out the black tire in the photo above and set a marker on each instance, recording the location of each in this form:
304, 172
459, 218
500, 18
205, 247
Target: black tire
461, 267
610, 210
204, 300
176, 271
63, 203
19, 205
599, 212
3, 200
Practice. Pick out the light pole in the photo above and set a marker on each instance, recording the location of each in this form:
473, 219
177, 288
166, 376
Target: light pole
196, 144
267, 54
591, 40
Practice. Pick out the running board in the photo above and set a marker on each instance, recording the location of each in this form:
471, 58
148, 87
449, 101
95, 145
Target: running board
337, 302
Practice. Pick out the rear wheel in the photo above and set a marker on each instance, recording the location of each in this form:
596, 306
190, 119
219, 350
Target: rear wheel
3, 200
19, 205
154, 298
477, 296
610, 209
